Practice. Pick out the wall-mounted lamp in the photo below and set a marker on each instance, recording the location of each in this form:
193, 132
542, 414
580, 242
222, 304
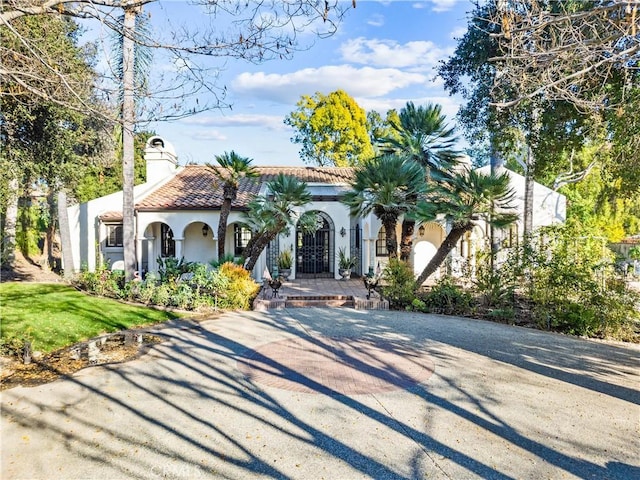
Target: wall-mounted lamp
343, 232
205, 229
421, 230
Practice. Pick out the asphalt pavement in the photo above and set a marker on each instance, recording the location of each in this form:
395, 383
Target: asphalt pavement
337, 394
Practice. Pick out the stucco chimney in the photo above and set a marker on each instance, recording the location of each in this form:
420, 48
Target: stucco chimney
161, 159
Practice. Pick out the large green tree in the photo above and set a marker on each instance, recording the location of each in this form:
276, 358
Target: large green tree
389, 186
230, 170
332, 129
422, 134
45, 142
103, 175
541, 131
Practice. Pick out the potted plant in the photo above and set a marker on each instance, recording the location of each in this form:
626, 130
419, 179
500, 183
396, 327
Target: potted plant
285, 260
345, 263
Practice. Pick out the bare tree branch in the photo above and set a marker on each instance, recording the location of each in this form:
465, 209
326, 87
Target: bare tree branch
566, 178
254, 30
564, 50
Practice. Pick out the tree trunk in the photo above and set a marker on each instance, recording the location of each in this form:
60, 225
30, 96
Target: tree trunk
51, 229
222, 226
65, 235
128, 124
407, 239
255, 249
445, 249
528, 195
391, 238
10, 222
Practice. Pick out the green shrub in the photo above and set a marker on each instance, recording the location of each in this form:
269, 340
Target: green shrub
183, 296
162, 294
399, 284
229, 287
418, 305
447, 297
102, 282
171, 268
502, 315
228, 258
144, 291
496, 286
568, 275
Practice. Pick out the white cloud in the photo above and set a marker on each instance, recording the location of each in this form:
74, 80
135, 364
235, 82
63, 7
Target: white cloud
458, 32
443, 5
358, 82
389, 53
207, 135
270, 122
376, 20
449, 105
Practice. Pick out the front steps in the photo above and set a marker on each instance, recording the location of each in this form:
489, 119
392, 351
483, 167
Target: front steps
322, 301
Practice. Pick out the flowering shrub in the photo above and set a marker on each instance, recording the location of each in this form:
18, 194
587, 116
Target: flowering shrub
229, 287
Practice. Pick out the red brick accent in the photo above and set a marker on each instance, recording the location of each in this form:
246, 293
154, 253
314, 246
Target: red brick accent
336, 366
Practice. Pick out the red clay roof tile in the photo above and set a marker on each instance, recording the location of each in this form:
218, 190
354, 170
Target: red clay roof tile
196, 186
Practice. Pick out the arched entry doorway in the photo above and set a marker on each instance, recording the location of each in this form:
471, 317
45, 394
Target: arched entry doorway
315, 251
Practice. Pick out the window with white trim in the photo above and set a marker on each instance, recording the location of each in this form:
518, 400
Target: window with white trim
381, 243
114, 235
241, 236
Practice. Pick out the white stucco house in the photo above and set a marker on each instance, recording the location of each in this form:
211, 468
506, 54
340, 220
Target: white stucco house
178, 208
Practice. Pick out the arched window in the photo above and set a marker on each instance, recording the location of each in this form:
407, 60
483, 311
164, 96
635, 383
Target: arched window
241, 236
167, 244
381, 243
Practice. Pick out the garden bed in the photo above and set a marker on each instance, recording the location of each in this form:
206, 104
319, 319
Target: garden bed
107, 349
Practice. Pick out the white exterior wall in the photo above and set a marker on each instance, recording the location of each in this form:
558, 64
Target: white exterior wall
87, 237
84, 226
549, 207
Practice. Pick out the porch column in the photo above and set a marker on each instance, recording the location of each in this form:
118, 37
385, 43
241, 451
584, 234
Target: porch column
102, 236
151, 259
139, 256
178, 242
372, 254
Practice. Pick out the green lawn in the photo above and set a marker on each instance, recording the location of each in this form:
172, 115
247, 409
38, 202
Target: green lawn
55, 316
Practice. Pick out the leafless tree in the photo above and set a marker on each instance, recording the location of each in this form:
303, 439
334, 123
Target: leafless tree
252, 30
563, 50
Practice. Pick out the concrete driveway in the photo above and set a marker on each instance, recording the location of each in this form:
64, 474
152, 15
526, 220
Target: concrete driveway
337, 394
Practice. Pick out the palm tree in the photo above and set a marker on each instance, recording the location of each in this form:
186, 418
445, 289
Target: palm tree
389, 186
268, 216
230, 170
423, 135
464, 199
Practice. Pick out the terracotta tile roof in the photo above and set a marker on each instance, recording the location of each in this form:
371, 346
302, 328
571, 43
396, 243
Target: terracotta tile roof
196, 187
113, 216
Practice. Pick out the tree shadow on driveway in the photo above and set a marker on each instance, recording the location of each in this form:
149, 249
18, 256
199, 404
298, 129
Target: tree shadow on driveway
187, 411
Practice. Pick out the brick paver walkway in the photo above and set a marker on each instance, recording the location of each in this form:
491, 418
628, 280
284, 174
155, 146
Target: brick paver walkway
323, 287
346, 366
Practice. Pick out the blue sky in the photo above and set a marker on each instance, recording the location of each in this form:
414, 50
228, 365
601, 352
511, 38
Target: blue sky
383, 55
